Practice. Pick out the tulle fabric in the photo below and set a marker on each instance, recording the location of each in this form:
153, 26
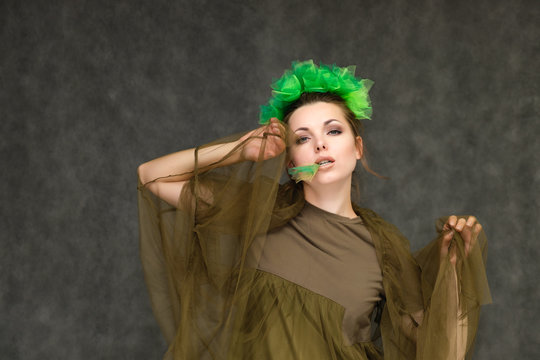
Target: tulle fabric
211, 302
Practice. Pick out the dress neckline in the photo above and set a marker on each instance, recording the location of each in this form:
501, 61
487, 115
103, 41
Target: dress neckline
331, 216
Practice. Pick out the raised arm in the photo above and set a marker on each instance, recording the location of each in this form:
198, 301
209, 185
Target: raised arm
166, 176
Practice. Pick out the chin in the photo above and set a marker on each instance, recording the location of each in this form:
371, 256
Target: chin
329, 179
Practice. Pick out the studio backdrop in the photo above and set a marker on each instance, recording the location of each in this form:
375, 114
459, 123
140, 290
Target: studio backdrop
91, 89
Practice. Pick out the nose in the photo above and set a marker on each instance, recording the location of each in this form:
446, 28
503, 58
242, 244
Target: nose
321, 145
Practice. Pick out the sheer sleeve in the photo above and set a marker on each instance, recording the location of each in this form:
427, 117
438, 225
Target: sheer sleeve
198, 257
453, 296
154, 214
431, 310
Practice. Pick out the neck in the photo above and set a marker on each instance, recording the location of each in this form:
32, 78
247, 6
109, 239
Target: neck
334, 198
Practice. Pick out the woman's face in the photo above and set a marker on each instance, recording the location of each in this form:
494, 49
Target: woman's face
321, 134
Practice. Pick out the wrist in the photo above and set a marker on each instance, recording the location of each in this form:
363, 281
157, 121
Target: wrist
239, 154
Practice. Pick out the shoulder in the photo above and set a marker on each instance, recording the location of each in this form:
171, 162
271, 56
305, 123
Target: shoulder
371, 218
383, 230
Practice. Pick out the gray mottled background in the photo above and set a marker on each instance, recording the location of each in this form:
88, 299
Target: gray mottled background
91, 89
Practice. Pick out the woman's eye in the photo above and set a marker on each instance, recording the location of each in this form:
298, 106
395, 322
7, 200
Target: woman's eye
334, 132
301, 139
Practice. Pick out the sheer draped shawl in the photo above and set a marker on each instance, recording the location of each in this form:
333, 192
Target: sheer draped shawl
200, 259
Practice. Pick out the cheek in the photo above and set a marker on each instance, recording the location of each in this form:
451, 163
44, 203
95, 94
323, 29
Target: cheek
349, 151
298, 156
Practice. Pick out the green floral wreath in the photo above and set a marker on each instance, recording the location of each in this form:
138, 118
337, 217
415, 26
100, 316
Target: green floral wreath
307, 77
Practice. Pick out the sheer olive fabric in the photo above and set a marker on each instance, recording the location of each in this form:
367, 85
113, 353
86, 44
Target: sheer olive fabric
202, 258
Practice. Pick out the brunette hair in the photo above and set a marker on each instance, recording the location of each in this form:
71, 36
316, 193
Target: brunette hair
354, 123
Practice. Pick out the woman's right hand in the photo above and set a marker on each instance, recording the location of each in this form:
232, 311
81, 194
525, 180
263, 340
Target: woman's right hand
274, 142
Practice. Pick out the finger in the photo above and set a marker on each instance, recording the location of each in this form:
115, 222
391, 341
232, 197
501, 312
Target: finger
471, 221
274, 124
460, 224
468, 233
467, 239
447, 225
450, 223
446, 247
445, 243
277, 128
447, 238
465, 230
476, 231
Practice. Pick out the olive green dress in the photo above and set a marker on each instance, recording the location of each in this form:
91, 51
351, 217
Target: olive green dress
329, 262
243, 268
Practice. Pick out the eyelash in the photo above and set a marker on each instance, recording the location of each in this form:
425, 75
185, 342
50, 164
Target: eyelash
303, 139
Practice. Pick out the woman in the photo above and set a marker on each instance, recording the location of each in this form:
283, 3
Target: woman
240, 266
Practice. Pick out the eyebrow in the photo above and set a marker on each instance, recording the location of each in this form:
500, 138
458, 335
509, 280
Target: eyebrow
325, 123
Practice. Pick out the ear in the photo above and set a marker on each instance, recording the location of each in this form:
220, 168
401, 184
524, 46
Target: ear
359, 147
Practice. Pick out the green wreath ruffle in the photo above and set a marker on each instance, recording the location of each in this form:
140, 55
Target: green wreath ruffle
305, 76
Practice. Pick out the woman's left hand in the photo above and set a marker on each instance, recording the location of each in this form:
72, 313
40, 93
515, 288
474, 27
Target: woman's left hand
468, 228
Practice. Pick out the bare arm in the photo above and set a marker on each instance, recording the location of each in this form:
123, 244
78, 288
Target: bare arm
172, 171
166, 176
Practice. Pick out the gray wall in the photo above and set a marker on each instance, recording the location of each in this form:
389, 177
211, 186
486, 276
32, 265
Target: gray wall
91, 89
